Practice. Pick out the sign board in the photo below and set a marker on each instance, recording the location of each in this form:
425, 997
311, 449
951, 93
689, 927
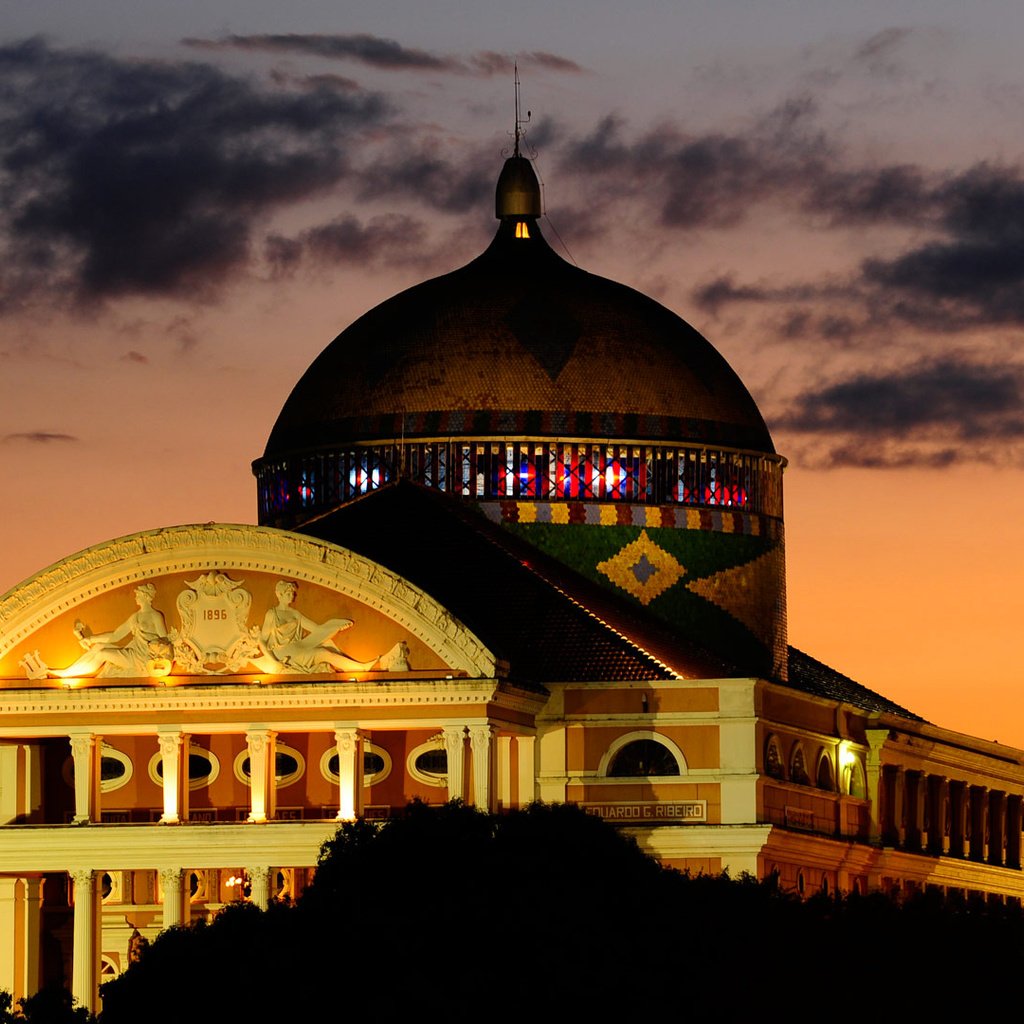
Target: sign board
679, 811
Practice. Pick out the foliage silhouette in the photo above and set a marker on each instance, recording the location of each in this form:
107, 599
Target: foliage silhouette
551, 911
52, 1005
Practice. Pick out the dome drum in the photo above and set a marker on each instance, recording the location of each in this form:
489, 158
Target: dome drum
307, 483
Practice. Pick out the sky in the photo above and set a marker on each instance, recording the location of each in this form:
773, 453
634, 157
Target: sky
196, 198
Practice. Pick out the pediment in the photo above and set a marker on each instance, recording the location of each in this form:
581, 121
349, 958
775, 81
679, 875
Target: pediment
227, 600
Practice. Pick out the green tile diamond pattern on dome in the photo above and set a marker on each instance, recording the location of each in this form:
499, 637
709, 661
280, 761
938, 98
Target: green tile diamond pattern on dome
727, 588
643, 569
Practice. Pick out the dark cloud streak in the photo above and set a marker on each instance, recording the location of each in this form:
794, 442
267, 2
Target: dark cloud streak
930, 414
388, 240
387, 54
40, 437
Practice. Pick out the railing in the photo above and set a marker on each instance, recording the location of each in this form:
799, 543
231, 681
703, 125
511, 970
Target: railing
541, 470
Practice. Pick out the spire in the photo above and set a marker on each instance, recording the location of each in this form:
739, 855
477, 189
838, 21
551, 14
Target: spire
519, 120
518, 192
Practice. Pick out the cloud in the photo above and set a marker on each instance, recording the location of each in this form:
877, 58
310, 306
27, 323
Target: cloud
372, 50
141, 177
132, 356
713, 179
488, 62
388, 240
965, 268
455, 186
388, 54
879, 52
40, 437
886, 456
895, 194
931, 413
723, 291
974, 270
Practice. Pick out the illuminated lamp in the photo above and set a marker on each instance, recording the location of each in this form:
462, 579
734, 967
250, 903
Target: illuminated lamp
236, 885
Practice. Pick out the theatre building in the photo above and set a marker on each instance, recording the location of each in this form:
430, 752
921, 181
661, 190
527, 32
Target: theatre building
521, 537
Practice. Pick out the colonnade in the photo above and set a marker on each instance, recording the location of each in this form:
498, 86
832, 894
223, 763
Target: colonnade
478, 747
480, 771
922, 812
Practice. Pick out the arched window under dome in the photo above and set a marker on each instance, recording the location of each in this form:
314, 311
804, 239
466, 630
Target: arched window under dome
642, 757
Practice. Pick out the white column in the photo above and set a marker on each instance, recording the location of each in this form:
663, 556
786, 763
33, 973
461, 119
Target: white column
504, 772
30, 934
170, 757
259, 885
9, 928
84, 968
261, 773
480, 741
455, 746
85, 748
172, 883
350, 772
876, 741
527, 770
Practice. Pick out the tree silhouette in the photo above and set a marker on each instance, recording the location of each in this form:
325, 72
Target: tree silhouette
549, 911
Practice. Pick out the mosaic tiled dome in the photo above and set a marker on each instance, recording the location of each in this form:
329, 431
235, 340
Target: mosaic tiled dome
519, 342
579, 415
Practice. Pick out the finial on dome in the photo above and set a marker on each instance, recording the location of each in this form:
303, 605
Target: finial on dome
518, 191
519, 120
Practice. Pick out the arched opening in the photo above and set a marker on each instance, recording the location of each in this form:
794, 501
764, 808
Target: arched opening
643, 759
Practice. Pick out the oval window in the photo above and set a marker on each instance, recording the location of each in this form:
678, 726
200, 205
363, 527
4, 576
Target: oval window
433, 762
199, 767
376, 764
284, 765
289, 766
428, 763
203, 768
111, 769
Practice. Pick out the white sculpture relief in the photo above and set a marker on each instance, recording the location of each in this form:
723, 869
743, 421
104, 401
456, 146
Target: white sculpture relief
148, 651
44, 597
397, 659
291, 642
214, 638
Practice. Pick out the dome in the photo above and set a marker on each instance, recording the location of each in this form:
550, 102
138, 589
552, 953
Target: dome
517, 345
578, 414
519, 339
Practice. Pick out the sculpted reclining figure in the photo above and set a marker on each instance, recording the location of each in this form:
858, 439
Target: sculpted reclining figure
104, 654
301, 645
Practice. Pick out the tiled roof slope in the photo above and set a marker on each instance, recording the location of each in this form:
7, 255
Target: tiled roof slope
812, 676
546, 621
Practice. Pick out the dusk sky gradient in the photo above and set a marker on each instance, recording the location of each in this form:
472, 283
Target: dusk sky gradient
196, 198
